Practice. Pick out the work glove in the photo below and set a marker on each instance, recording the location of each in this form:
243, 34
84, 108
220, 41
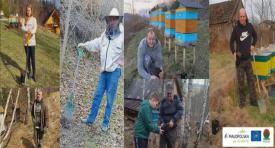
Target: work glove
81, 51
81, 45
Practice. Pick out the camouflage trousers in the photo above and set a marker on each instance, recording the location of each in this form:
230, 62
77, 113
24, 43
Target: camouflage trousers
244, 68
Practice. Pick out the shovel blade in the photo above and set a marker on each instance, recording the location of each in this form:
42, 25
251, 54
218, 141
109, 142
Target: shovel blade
69, 108
80, 52
69, 111
262, 106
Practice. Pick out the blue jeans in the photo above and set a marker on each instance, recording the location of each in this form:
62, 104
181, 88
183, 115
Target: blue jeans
108, 81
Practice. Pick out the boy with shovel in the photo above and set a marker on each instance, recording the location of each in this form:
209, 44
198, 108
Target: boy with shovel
110, 45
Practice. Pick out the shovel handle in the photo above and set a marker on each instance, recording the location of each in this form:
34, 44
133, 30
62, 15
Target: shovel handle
258, 83
80, 52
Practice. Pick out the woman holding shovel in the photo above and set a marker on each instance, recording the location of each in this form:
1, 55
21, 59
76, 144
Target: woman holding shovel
110, 46
29, 26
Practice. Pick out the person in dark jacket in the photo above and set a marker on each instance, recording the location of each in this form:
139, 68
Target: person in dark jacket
245, 38
144, 124
39, 112
171, 110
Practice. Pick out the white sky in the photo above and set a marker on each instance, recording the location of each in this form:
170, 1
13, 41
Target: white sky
198, 81
215, 1
140, 4
247, 5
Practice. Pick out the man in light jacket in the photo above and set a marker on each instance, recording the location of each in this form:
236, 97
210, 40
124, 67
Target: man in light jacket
110, 45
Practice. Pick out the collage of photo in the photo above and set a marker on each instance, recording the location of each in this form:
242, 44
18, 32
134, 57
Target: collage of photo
137, 73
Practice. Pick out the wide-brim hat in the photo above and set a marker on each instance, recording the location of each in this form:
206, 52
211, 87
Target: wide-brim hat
114, 12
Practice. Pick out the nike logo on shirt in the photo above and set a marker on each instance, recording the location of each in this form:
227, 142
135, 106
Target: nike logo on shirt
244, 35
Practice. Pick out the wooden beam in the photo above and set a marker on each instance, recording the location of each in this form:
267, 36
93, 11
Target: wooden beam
184, 58
194, 55
176, 53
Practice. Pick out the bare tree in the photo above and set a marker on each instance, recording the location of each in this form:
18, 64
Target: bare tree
263, 9
83, 20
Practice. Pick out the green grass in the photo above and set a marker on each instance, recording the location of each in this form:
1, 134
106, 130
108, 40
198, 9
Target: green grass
267, 118
13, 59
223, 61
223, 58
131, 55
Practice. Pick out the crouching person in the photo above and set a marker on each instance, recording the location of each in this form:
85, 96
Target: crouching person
144, 124
40, 118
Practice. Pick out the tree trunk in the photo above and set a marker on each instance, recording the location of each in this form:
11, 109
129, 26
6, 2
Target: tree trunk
66, 33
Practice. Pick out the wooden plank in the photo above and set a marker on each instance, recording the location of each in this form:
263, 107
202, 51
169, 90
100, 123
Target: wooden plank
186, 9
154, 18
184, 58
170, 23
168, 32
182, 38
194, 55
186, 26
169, 45
176, 47
161, 18
262, 106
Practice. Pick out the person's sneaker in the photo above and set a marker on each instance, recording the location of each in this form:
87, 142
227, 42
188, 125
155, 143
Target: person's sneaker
84, 120
104, 128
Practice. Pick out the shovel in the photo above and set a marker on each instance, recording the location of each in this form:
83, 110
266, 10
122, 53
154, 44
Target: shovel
24, 74
69, 106
261, 100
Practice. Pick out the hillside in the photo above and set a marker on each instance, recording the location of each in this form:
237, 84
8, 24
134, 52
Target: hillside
13, 59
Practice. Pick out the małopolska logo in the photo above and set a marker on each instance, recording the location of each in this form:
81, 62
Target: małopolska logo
241, 136
256, 136
266, 135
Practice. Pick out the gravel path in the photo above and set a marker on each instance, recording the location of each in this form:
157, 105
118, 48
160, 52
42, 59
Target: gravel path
78, 134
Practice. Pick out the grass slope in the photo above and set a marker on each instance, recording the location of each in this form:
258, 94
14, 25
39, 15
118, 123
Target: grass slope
13, 59
224, 100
